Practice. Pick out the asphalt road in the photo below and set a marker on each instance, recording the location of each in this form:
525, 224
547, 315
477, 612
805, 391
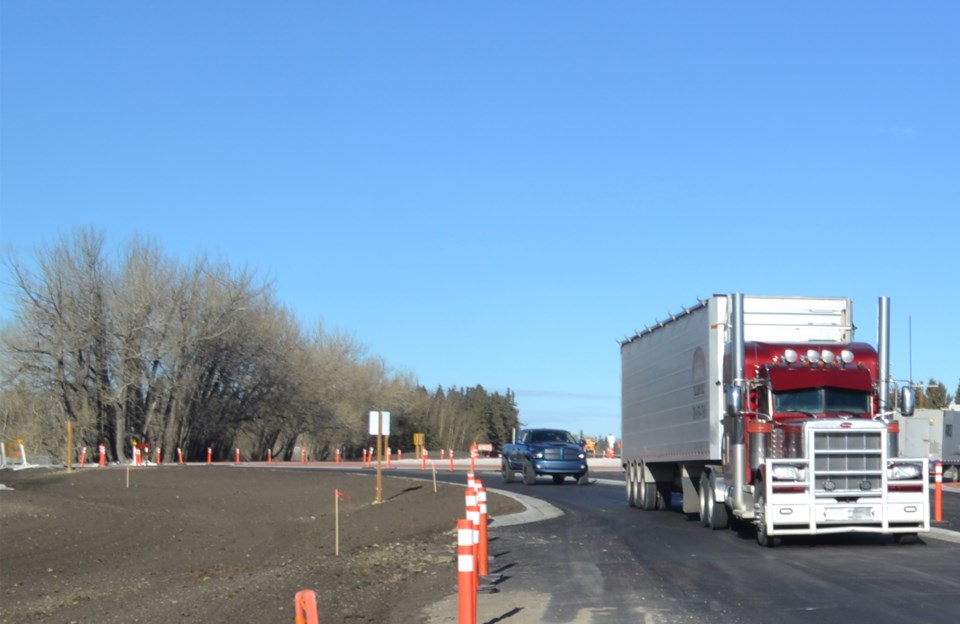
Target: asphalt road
603, 562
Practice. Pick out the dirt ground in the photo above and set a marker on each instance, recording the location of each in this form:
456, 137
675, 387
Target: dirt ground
223, 544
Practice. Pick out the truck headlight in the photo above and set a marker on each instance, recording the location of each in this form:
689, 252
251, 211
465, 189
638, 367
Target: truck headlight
904, 470
538, 455
581, 456
788, 473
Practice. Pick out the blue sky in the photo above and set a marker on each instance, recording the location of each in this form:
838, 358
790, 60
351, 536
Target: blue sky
496, 193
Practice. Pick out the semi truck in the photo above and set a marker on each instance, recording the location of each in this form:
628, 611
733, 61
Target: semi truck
764, 411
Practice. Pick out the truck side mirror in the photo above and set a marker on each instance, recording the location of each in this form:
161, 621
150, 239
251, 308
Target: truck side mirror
908, 400
734, 400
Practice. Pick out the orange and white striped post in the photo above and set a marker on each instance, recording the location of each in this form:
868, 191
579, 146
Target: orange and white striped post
389, 453
451, 460
305, 607
303, 455
158, 456
102, 449
399, 454
474, 454
209, 455
238, 456
423, 459
179, 456
938, 492
483, 569
338, 456
269, 456
466, 590
473, 515
83, 457
441, 454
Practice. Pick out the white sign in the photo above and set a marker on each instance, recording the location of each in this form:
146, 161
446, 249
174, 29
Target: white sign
374, 418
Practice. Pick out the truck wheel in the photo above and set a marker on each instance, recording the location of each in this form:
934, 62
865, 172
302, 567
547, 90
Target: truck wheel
631, 483
759, 515
506, 471
583, 479
648, 496
529, 475
558, 479
705, 491
717, 513
905, 539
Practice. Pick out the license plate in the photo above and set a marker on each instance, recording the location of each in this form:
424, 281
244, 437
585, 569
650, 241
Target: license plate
844, 513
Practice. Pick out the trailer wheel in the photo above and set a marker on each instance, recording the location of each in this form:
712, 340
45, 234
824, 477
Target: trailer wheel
631, 485
506, 471
648, 496
529, 474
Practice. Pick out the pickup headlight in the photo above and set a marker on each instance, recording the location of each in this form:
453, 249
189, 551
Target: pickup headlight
788, 473
582, 456
904, 470
538, 455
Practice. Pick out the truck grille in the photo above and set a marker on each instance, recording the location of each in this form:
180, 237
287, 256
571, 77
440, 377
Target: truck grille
557, 453
848, 463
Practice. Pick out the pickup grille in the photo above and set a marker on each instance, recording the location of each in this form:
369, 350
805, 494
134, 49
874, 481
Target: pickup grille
558, 453
848, 463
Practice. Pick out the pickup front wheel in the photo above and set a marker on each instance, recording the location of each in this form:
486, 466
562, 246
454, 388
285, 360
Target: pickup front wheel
529, 474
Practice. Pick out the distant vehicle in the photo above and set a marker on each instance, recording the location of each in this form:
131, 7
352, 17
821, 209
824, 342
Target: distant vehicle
934, 434
553, 452
764, 410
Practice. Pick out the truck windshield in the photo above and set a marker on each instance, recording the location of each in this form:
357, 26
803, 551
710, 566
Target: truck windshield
551, 437
822, 401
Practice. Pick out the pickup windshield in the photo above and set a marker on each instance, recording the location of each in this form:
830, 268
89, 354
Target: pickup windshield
551, 437
822, 401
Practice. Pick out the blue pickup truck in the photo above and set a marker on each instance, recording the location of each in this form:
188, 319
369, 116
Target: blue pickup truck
536, 452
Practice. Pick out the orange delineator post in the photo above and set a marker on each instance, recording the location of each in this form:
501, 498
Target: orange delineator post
466, 590
103, 454
305, 607
209, 455
473, 515
389, 453
938, 492
269, 456
451, 460
483, 569
303, 456
238, 456
423, 459
179, 456
83, 457
338, 456
159, 456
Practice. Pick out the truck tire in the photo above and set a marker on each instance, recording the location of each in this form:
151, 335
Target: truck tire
648, 496
763, 539
705, 491
506, 471
631, 483
583, 479
713, 514
558, 479
905, 539
529, 474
